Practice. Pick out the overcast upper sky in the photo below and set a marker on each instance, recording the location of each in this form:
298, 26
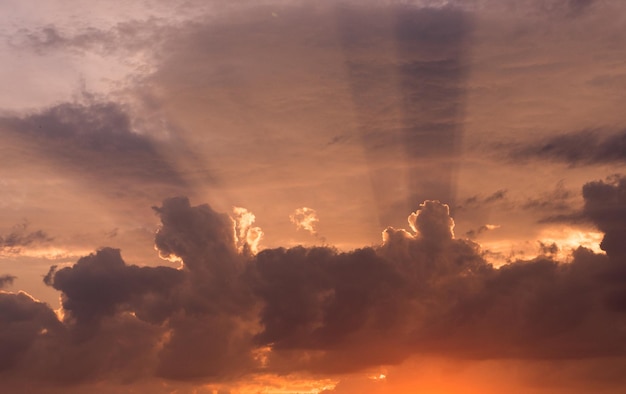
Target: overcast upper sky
313, 196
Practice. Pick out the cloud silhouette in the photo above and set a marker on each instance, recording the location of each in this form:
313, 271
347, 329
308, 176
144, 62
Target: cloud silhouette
421, 292
94, 137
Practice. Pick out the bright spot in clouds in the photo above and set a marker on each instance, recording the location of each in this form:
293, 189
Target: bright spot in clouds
306, 219
569, 239
246, 236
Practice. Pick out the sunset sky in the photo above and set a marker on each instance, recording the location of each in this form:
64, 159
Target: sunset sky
338, 197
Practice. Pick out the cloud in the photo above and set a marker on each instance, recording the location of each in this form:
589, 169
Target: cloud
557, 200
485, 227
307, 310
24, 323
247, 237
6, 280
19, 238
421, 292
306, 219
586, 147
93, 137
101, 284
128, 39
605, 206
476, 201
432, 221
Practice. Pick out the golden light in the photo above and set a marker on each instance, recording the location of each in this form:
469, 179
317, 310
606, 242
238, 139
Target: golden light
246, 236
556, 242
569, 239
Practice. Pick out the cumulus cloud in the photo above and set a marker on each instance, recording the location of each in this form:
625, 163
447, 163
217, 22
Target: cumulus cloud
432, 221
421, 292
247, 236
24, 322
605, 206
231, 310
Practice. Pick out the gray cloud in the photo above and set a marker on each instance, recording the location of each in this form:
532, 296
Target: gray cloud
20, 237
585, 147
24, 321
471, 234
605, 206
123, 37
95, 138
478, 201
102, 285
6, 280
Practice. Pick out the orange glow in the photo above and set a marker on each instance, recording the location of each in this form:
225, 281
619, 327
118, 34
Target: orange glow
172, 258
261, 355
565, 239
305, 218
50, 253
274, 384
246, 236
568, 239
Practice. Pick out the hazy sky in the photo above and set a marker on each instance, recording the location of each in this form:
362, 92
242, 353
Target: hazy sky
212, 197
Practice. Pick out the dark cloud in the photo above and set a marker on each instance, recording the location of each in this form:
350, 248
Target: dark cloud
471, 234
605, 206
421, 292
102, 284
477, 201
585, 147
20, 237
6, 280
317, 309
557, 200
95, 138
24, 321
559, 205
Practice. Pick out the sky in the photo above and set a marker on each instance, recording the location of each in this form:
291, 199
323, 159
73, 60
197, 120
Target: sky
333, 197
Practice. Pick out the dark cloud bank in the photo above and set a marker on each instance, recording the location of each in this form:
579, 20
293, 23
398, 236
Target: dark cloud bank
321, 311
96, 137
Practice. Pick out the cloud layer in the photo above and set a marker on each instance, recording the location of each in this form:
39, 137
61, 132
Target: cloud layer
227, 313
